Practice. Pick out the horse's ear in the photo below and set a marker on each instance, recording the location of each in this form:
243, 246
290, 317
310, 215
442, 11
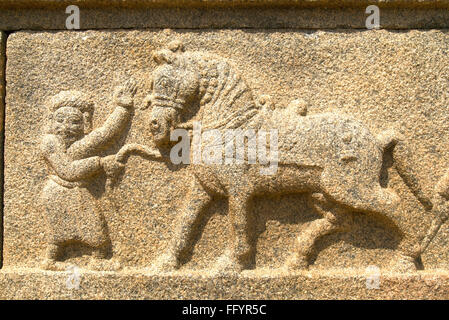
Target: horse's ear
169, 55
164, 56
176, 46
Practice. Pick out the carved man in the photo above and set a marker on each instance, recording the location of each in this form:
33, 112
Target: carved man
72, 157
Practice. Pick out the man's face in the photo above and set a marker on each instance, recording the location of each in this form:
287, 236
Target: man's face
68, 123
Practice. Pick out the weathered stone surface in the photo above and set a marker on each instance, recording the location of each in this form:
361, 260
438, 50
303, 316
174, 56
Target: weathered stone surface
385, 80
362, 124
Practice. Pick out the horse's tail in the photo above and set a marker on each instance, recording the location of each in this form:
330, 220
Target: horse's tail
390, 141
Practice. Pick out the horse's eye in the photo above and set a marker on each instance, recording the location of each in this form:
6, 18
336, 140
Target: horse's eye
164, 83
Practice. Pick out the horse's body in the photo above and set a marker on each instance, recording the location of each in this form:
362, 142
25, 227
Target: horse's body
332, 158
325, 153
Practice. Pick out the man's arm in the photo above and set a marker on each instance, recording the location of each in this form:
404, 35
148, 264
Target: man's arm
101, 137
113, 126
63, 166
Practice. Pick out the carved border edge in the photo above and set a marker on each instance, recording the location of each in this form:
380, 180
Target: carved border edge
3, 37
291, 287
228, 18
223, 3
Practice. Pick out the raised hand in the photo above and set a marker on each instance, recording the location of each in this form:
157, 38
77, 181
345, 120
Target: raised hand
124, 95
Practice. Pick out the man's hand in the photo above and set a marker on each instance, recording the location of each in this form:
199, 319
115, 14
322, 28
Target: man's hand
124, 95
111, 166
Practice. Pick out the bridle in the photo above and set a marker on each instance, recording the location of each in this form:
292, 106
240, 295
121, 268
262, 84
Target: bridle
163, 101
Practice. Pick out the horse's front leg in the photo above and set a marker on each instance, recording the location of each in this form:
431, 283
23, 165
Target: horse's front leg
196, 201
238, 255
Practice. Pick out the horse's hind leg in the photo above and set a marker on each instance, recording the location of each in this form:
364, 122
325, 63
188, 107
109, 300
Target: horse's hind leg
196, 201
409, 248
52, 255
334, 219
387, 205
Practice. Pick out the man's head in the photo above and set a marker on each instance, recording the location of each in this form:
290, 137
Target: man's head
70, 115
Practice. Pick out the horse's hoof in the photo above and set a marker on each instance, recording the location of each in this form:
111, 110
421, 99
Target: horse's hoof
164, 263
226, 263
48, 264
116, 265
404, 264
53, 265
296, 262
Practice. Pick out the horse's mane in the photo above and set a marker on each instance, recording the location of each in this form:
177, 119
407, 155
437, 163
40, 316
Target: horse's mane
226, 100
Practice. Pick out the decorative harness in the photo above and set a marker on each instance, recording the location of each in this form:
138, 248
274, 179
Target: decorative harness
168, 102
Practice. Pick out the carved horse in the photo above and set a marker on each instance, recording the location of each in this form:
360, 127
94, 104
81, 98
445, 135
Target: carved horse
332, 158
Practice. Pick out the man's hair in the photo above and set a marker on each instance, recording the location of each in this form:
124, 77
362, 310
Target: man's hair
72, 99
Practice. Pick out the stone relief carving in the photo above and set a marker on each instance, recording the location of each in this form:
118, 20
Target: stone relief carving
333, 159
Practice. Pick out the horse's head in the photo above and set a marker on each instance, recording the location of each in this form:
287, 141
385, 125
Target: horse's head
195, 85
174, 87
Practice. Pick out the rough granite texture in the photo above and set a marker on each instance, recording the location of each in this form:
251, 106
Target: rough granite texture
94, 209
386, 80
